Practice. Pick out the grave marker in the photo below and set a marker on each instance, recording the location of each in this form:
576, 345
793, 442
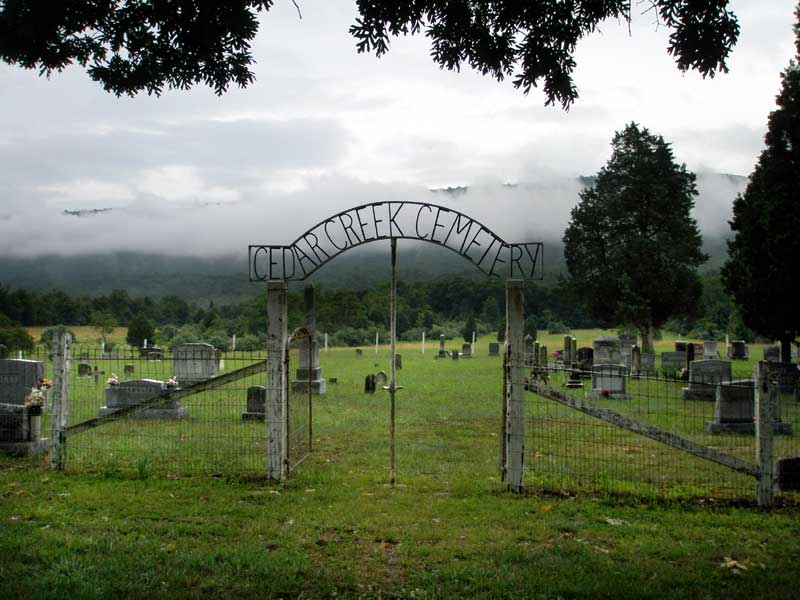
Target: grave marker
494, 349
704, 376
192, 363
607, 351
256, 403
17, 377
136, 391
608, 381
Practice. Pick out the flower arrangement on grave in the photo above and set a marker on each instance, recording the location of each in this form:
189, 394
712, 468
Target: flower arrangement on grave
113, 380
34, 401
171, 382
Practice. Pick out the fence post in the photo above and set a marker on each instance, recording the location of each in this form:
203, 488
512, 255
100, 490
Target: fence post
515, 415
61, 369
276, 409
766, 402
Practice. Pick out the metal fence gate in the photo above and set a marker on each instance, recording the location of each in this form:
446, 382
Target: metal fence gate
302, 370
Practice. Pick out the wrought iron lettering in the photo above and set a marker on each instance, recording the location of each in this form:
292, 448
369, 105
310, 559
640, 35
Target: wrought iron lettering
405, 220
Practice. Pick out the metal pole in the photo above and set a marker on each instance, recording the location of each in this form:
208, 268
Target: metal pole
392, 383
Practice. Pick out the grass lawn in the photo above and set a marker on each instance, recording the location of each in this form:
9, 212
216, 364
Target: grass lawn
128, 528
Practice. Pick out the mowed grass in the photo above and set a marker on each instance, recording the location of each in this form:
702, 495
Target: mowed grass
337, 529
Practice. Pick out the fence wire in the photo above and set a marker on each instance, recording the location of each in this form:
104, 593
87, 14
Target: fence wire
570, 450
216, 431
302, 374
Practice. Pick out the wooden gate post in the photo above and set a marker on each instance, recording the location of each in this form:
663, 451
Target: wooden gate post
61, 369
515, 393
276, 409
766, 405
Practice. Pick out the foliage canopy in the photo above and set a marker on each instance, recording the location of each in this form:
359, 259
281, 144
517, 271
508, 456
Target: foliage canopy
129, 46
631, 245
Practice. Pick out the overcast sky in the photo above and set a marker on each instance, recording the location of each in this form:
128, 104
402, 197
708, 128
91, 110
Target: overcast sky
324, 128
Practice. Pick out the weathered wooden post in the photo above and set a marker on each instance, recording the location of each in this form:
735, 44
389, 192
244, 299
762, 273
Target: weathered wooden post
766, 402
276, 409
515, 415
61, 369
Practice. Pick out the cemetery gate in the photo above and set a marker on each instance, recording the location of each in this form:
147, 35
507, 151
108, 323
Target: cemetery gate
279, 264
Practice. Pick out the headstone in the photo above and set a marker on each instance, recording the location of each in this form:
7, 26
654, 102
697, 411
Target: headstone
567, 355
398, 361
17, 377
787, 375
20, 430
710, 349
381, 379
192, 363
359, 352
256, 403
608, 381
127, 369
607, 351
136, 391
442, 352
738, 350
704, 376
689, 355
151, 353
772, 354
454, 354
84, 370
673, 360
788, 472
333, 380
585, 358
626, 342
494, 349
466, 351
369, 384
680, 346
648, 364
734, 410
309, 371
636, 361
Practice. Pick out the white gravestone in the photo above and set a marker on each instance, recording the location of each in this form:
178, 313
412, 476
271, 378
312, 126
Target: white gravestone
704, 376
608, 381
192, 363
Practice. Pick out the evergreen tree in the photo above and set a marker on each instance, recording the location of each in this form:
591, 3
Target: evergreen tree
764, 254
632, 247
469, 328
139, 330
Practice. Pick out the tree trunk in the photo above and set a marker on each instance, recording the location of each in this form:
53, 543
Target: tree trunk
786, 349
648, 333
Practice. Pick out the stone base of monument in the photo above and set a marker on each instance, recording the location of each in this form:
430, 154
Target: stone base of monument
597, 394
779, 428
443, 354
734, 411
40, 446
253, 416
20, 430
317, 385
574, 381
171, 412
699, 391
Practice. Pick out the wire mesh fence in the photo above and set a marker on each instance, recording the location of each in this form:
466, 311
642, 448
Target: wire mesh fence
570, 449
302, 373
218, 430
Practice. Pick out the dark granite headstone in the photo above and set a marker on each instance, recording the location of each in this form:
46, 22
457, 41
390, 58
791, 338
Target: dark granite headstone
256, 403
17, 377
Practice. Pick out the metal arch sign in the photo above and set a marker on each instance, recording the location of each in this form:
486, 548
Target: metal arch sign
402, 220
